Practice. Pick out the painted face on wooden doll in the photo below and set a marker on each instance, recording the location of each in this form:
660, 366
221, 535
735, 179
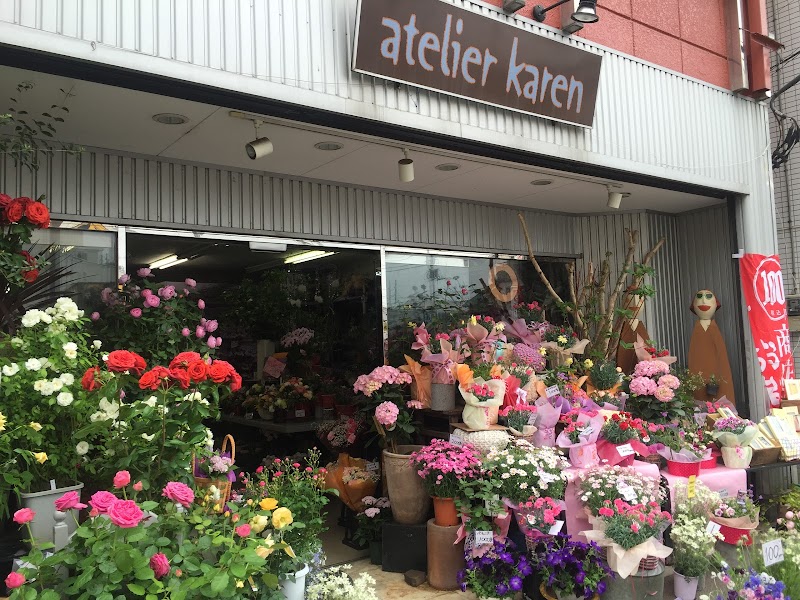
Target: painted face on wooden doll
705, 305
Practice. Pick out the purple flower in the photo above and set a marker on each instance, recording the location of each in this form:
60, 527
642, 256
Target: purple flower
601, 588
152, 301
501, 589
144, 272
580, 577
136, 313
95, 316
515, 583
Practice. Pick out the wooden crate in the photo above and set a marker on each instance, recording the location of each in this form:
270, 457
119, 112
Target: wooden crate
765, 456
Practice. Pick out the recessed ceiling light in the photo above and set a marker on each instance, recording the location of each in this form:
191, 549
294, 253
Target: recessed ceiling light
328, 146
170, 119
541, 182
447, 167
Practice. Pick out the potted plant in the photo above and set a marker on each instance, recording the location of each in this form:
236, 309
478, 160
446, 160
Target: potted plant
339, 435
520, 418
377, 511
582, 428
297, 396
442, 465
483, 389
622, 437
712, 386
693, 552
570, 568
734, 435
537, 517
601, 486
658, 395
497, 573
737, 517
442, 351
335, 584
604, 376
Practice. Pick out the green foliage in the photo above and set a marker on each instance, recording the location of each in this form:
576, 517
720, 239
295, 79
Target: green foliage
604, 375
259, 306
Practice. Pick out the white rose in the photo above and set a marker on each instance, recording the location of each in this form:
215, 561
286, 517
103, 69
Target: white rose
30, 318
57, 384
98, 416
37, 385
50, 310
64, 399
33, 364
67, 379
148, 438
45, 318
10, 370
71, 354
82, 448
70, 347
97, 344
105, 357
151, 401
15, 341
47, 389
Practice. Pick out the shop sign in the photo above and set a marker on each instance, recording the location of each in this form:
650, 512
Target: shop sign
762, 283
441, 47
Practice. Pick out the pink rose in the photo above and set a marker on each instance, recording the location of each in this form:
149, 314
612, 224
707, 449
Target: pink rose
101, 501
138, 487
95, 316
160, 565
167, 292
136, 313
201, 304
146, 293
185, 332
123, 279
125, 514
24, 515
69, 501
243, 530
122, 479
200, 332
211, 326
190, 282
15, 580
212, 341
179, 493
144, 272
152, 301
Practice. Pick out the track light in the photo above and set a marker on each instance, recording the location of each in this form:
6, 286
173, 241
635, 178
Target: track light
614, 198
259, 147
405, 167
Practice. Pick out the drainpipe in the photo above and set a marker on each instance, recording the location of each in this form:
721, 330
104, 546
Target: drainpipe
786, 174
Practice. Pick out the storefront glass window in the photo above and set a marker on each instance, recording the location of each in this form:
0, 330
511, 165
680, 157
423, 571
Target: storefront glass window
441, 291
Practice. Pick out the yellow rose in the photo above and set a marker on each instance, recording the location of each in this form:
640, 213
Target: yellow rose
268, 504
35, 426
282, 517
562, 339
569, 361
263, 551
239, 583
588, 363
2, 422
259, 523
41, 457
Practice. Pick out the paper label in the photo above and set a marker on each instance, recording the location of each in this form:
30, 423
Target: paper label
300, 413
532, 418
484, 538
690, 488
587, 431
772, 552
455, 440
372, 467
628, 493
52, 484
723, 493
556, 528
625, 450
522, 396
552, 391
713, 528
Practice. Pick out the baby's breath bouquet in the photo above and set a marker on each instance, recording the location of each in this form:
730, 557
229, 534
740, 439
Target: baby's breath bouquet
335, 584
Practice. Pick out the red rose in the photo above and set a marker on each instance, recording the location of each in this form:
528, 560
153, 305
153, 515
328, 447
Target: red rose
125, 360
197, 370
236, 382
181, 376
24, 200
5, 200
154, 378
220, 371
183, 359
37, 213
88, 381
14, 212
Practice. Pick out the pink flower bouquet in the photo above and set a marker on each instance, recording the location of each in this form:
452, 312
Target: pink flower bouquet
538, 516
443, 466
391, 414
580, 437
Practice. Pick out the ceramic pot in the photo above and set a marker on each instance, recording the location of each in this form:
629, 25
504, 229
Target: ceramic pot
266, 414
376, 553
685, 587
443, 396
642, 585
42, 503
738, 457
445, 556
584, 456
293, 587
410, 502
444, 511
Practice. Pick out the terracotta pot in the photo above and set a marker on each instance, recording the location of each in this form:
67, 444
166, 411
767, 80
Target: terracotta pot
410, 502
444, 510
445, 556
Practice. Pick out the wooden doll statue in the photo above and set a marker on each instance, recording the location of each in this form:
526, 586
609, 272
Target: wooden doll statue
632, 330
707, 352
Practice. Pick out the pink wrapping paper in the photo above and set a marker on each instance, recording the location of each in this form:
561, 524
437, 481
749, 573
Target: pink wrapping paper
547, 417
717, 479
584, 456
519, 329
609, 455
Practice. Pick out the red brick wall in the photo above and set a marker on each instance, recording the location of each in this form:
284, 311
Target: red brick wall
688, 36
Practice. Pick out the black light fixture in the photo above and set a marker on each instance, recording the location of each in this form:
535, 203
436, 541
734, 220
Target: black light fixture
585, 13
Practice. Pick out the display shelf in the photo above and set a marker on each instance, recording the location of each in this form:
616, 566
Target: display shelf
288, 427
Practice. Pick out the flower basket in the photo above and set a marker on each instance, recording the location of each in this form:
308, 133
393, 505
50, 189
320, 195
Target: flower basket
683, 469
221, 483
732, 535
709, 463
483, 441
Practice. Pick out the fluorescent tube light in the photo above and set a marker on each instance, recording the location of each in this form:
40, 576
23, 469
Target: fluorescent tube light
173, 263
164, 261
267, 247
306, 256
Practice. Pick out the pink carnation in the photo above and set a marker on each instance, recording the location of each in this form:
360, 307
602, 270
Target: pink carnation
664, 394
386, 413
643, 386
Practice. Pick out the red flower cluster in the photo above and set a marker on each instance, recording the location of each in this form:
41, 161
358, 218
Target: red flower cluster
655, 352
621, 427
189, 367
31, 273
88, 380
120, 361
14, 210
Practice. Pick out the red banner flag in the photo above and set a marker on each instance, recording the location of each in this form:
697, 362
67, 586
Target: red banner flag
762, 282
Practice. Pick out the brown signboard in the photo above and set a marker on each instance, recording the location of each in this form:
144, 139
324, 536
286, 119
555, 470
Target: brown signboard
441, 47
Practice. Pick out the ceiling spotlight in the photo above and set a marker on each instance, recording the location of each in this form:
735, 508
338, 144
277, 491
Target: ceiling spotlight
614, 198
259, 147
405, 167
541, 182
329, 146
585, 13
447, 167
170, 119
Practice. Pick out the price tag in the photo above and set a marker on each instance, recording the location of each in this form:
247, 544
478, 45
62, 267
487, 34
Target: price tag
713, 528
772, 552
690, 488
455, 440
628, 493
300, 413
587, 431
723, 493
552, 391
556, 528
532, 418
484, 538
372, 467
625, 450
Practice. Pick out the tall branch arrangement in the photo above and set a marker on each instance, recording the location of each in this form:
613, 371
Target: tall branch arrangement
598, 311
